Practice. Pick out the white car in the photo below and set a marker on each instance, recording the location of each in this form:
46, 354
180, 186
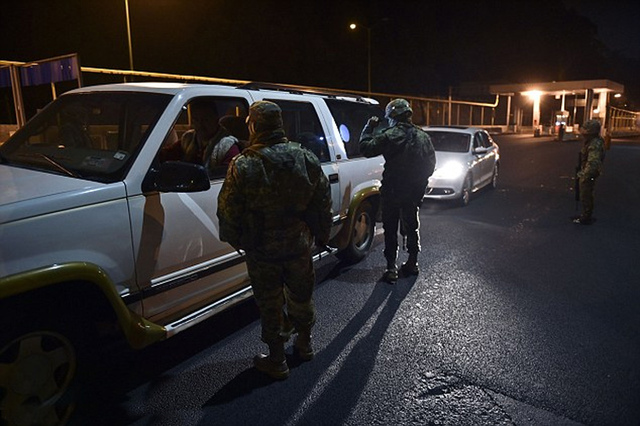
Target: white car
467, 159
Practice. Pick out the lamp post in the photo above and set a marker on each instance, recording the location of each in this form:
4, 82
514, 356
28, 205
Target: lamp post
353, 27
126, 5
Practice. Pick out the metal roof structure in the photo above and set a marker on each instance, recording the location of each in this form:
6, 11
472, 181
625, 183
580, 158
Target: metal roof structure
593, 91
558, 87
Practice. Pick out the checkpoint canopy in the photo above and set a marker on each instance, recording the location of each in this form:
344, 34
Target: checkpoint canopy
46, 71
592, 96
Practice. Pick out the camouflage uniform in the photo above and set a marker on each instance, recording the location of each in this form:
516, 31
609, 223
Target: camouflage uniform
274, 203
591, 157
409, 161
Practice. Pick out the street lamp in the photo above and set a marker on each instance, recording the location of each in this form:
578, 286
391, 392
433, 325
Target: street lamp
353, 27
126, 6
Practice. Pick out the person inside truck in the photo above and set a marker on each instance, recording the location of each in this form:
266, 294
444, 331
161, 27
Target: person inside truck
206, 143
73, 131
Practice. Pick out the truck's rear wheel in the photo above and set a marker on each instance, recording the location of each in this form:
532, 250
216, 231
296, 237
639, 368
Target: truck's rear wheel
362, 234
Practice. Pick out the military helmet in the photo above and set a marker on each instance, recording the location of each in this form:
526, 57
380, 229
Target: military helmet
266, 115
591, 127
397, 108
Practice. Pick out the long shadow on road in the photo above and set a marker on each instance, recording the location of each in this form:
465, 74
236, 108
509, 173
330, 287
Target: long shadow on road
335, 378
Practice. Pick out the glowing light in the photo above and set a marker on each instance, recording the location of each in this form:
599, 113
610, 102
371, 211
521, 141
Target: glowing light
344, 133
353, 26
451, 170
534, 95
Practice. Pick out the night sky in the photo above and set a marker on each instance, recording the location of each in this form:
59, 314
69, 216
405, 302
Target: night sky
417, 48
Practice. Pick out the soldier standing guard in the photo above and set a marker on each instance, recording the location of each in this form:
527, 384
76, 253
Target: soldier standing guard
274, 204
590, 167
409, 161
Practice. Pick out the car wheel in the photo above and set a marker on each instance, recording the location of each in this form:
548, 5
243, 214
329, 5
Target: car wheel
36, 370
494, 177
362, 234
465, 196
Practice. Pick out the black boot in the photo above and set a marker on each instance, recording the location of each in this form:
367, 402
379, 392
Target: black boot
303, 347
274, 364
391, 274
410, 267
583, 220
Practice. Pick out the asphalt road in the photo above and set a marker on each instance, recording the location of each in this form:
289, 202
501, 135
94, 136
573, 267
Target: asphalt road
518, 317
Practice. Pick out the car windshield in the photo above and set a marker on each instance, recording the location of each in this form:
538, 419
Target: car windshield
90, 136
450, 141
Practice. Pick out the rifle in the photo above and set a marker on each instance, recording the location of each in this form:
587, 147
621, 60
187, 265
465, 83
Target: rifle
576, 181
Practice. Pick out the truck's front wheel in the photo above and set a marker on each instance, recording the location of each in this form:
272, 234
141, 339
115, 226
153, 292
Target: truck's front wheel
36, 369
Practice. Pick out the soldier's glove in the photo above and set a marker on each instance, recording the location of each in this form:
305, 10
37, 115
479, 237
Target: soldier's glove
373, 122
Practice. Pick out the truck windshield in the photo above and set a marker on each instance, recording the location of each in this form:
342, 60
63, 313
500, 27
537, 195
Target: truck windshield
90, 136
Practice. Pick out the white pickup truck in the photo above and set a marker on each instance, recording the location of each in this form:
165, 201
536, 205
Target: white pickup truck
98, 233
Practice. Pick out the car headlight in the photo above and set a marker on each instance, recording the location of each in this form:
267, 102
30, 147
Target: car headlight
450, 170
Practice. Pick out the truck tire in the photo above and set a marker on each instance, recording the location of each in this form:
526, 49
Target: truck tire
362, 234
48, 353
37, 368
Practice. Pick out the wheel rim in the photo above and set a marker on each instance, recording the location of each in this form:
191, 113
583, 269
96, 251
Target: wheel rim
362, 231
35, 371
494, 181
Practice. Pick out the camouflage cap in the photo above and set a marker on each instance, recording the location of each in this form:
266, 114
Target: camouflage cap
591, 127
267, 115
398, 107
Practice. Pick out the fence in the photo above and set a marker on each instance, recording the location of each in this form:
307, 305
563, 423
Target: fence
492, 116
449, 112
427, 111
623, 122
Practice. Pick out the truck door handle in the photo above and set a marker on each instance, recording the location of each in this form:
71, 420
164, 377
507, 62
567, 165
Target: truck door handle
334, 178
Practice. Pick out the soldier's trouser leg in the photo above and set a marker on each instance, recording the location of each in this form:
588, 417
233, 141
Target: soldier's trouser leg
390, 219
267, 283
299, 281
411, 220
411, 223
298, 290
587, 187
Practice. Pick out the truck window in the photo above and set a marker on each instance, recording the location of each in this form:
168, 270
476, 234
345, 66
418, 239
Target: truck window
209, 131
301, 125
351, 117
93, 136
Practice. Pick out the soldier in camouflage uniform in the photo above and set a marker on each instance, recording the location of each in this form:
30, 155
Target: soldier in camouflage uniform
274, 204
409, 161
591, 157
